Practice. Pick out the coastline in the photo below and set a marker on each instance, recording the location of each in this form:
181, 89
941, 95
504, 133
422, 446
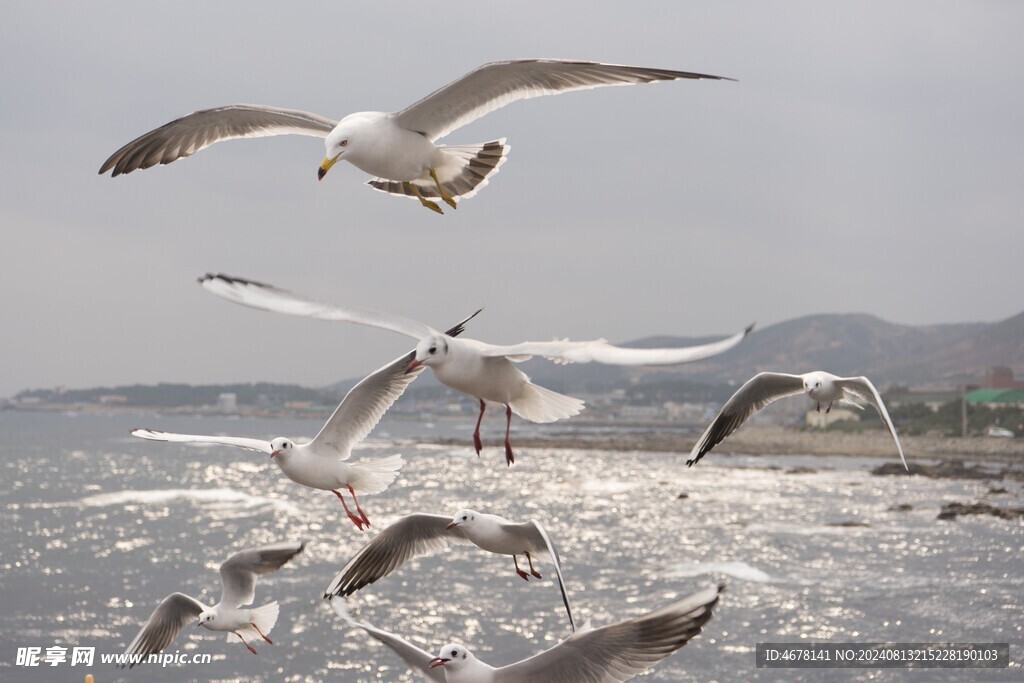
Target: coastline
780, 441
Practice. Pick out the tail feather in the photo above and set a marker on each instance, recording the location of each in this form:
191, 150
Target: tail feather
467, 168
373, 476
543, 405
264, 617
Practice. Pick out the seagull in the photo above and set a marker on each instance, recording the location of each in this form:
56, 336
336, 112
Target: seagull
424, 534
396, 147
321, 463
768, 387
484, 371
238, 574
603, 655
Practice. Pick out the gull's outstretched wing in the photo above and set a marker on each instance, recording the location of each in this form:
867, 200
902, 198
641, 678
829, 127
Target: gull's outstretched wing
189, 134
494, 85
417, 659
539, 537
601, 351
238, 573
865, 390
411, 536
270, 298
170, 616
758, 392
239, 441
617, 652
365, 403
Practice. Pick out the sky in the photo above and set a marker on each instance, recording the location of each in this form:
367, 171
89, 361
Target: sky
869, 159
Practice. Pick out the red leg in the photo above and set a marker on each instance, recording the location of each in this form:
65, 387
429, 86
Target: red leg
509, 458
366, 520
829, 409
261, 633
477, 443
526, 577
818, 408
532, 570
358, 521
251, 649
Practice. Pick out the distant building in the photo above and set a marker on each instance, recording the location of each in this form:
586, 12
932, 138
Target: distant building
933, 399
111, 399
227, 402
1002, 378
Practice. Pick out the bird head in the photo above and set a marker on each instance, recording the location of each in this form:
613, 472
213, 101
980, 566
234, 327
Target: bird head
337, 145
462, 518
452, 657
812, 383
281, 446
204, 617
431, 351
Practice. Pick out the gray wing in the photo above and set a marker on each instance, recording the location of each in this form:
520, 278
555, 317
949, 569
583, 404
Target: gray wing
365, 403
618, 652
238, 573
257, 445
170, 616
600, 351
758, 392
865, 390
270, 298
539, 538
412, 536
494, 85
189, 134
416, 658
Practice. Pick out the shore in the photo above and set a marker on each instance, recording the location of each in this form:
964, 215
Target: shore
779, 441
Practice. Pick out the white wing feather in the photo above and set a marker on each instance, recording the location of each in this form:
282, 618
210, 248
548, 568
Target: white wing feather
241, 442
269, 298
600, 351
862, 388
494, 85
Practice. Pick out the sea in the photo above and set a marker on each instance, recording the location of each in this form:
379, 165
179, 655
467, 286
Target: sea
97, 527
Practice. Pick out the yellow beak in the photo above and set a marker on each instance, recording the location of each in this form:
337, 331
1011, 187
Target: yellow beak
325, 166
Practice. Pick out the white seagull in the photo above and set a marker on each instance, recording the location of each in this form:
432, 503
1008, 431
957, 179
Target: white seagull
604, 655
238, 574
424, 534
484, 371
396, 147
322, 463
768, 387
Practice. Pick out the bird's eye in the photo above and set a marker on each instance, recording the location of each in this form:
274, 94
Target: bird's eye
343, 143
433, 349
464, 518
455, 653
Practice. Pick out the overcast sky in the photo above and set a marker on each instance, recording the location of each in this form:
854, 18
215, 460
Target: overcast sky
869, 159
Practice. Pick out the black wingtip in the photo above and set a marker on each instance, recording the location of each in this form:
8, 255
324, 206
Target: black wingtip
750, 328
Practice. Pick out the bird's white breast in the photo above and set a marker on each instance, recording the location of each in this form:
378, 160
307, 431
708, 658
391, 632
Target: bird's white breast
384, 149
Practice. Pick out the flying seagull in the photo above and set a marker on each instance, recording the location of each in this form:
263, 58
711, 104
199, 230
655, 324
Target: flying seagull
238, 574
424, 534
322, 463
484, 371
396, 147
604, 655
767, 387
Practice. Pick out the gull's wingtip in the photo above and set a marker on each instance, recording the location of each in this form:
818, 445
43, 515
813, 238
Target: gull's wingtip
750, 328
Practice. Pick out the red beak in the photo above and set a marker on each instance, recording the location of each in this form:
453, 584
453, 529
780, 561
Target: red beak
451, 525
438, 661
273, 453
413, 364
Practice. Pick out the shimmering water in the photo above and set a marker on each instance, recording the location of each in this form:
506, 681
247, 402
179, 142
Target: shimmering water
97, 527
